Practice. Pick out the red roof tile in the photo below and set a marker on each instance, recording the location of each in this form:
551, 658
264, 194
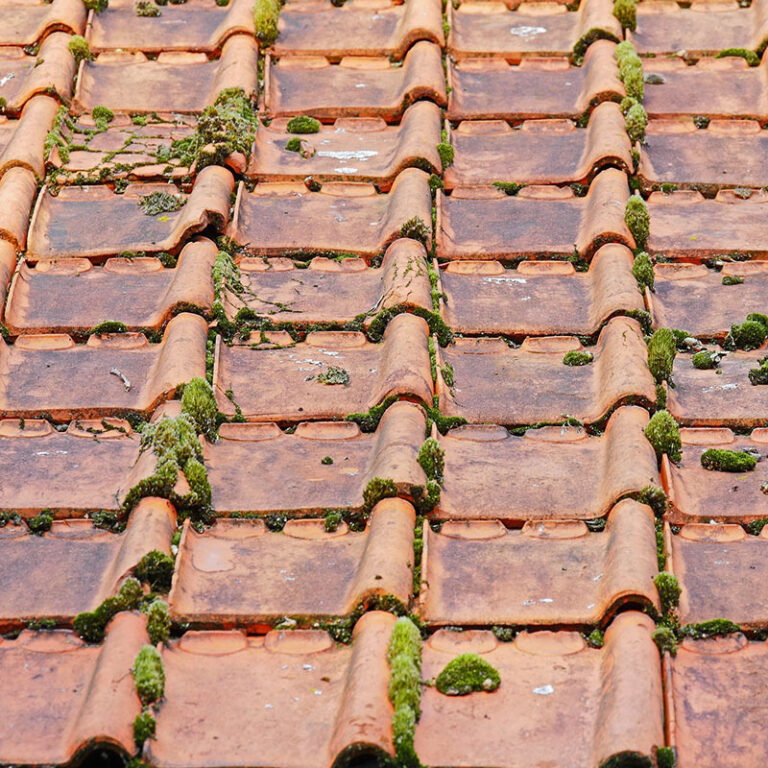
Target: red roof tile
17, 193
21, 141
26, 23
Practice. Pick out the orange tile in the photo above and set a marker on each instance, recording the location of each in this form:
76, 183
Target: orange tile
359, 86
546, 29
398, 366
331, 291
26, 23
309, 700
551, 473
49, 373
18, 188
557, 698
62, 698
238, 574
21, 141
197, 25
479, 573
7, 266
94, 222
317, 28
293, 477
540, 151
551, 221
701, 495
351, 149
73, 296
537, 87
539, 297
95, 563
346, 217
174, 82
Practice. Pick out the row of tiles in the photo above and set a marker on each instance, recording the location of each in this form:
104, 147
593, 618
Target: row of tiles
93, 222
561, 472
557, 696
473, 573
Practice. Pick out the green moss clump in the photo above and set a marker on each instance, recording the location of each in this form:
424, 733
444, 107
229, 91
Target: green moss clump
624, 49
334, 375
665, 757
577, 357
705, 360
665, 640
333, 518
711, 628
510, 188
416, 229
642, 270
96, 5
79, 48
595, 639
732, 280
759, 376
103, 115
40, 523
626, 12
655, 498
293, 144
55, 137
662, 348
638, 220
147, 8
404, 657
144, 727
160, 202
149, 675
265, 17
721, 460
669, 591
626, 103
635, 123
326, 460
446, 152
750, 334
664, 435
158, 622
432, 459
303, 124
108, 326
90, 625
199, 403
156, 568
466, 674
751, 57
376, 490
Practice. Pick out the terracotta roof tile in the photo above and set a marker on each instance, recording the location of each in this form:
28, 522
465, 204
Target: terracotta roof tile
692, 297
61, 697
537, 87
554, 573
303, 691
21, 141
540, 151
698, 494
293, 477
359, 29
73, 295
7, 266
95, 563
25, 23
94, 222
197, 25
556, 697
398, 366
346, 217
351, 149
330, 291
240, 574
712, 684
551, 221
356, 87
721, 570
17, 193
177, 81
546, 29
559, 473
24, 78
49, 373
539, 297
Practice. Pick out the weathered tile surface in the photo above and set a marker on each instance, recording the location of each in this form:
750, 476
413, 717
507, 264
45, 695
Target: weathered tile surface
26, 23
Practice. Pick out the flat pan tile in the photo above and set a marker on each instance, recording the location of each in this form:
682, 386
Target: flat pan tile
540, 151
556, 573
25, 23
73, 296
95, 563
494, 90
721, 570
557, 697
356, 87
303, 690
292, 475
351, 149
197, 25
539, 297
692, 297
357, 28
489, 382
544, 29
239, 574
21, 141
714, 684
61, 696
398, 366
551, 473
548, 221
698, 494
330, 291
174, 82
346, 217
93, 222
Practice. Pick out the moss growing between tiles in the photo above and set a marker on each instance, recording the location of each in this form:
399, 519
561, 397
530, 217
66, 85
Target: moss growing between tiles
55, 137
576, 358
144, 727
732, 280
78, 47
595, 639
665, 640
90, 625
750, 334
416, 229
749, 56
655, 498
664, 435
369, 421
148, 674
642, 270
266, 14
669, 591
160, 202
721, 460
156, 569
759, 376
98, 6
147, 8
662, 349
199, 403
508, 187
635, 122
158, 622
303, 124
41, 523
108, 326
712, 628
293, 144
333, 518
445, 150
706, 359
377, 489
638, 220
665, 757
630, 70
466, 674
626, 12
